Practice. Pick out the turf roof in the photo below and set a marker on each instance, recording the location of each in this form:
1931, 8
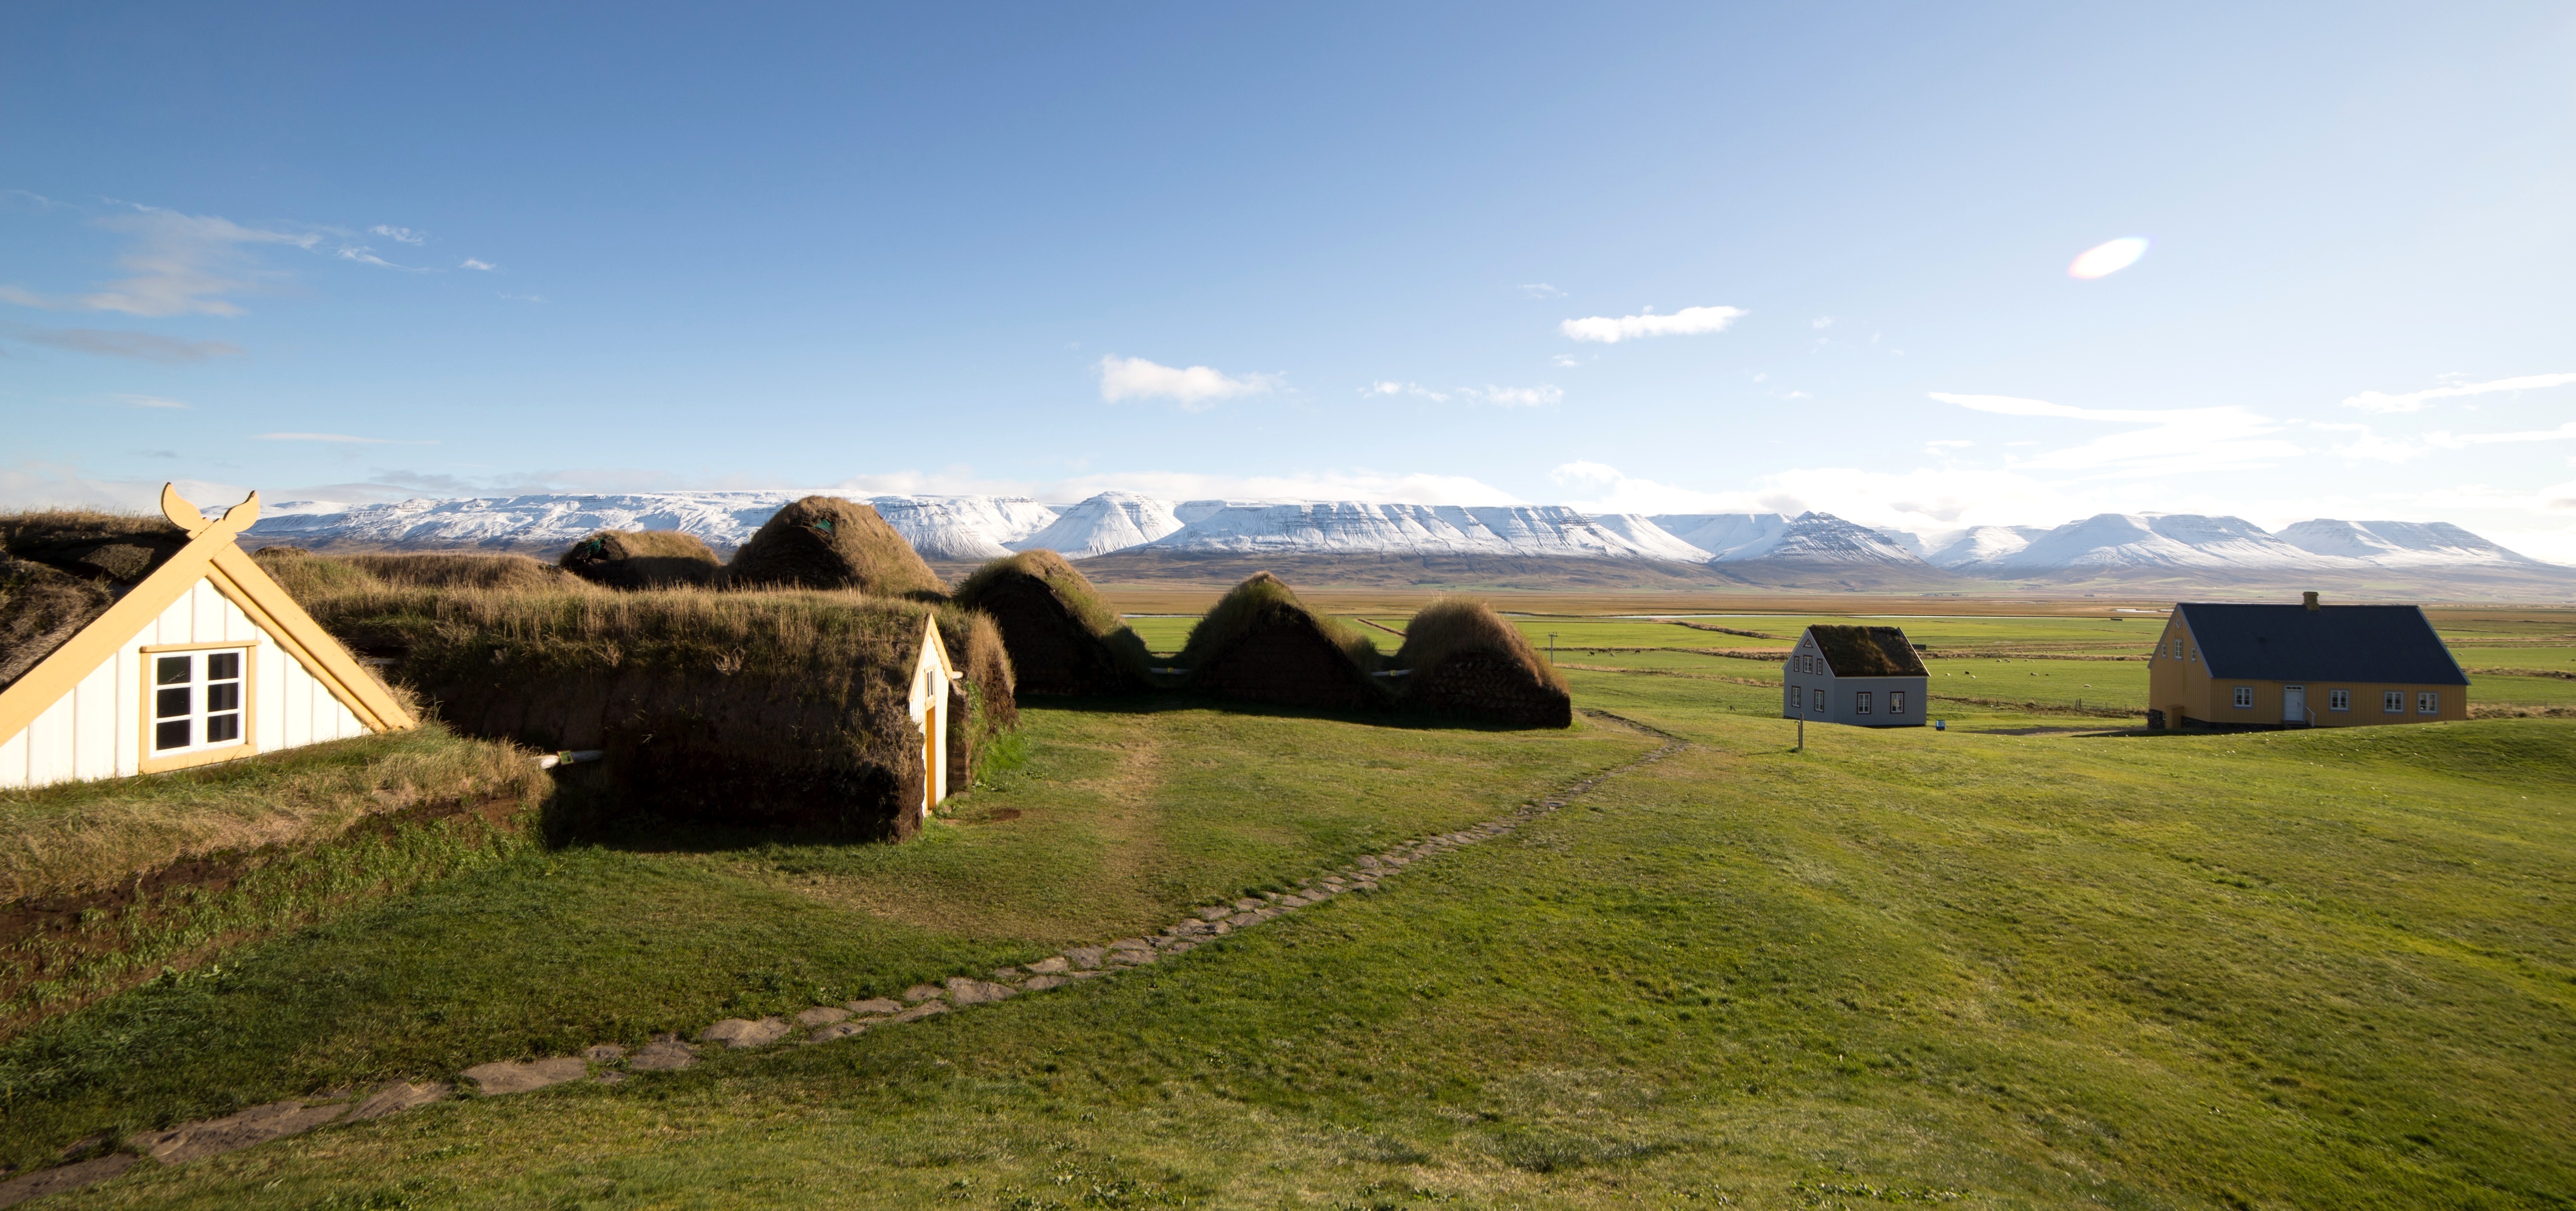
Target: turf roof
1866, 651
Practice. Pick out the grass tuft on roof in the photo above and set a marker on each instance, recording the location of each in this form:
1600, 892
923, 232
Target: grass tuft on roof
1062, 637
1262, 644
823, 542
642, 559
1462, 658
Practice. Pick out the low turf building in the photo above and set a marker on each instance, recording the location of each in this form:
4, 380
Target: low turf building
1462, 659
2231, 665
1861, 675
1261, 644
134, 645
1062, 638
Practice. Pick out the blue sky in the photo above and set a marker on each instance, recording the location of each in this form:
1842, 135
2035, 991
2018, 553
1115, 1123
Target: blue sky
388, 251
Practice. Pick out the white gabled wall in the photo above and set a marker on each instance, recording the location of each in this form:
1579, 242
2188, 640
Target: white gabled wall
96, 730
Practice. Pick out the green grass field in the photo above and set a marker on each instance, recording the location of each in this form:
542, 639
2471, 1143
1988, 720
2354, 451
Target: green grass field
2315, 969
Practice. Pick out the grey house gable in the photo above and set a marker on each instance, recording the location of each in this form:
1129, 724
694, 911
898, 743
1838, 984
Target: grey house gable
1862, 676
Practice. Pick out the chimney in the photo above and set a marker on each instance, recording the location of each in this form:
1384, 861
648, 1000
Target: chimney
2312, 601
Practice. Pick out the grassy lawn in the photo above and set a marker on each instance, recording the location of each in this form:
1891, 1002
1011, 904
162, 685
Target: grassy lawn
2314, 969
1122, 820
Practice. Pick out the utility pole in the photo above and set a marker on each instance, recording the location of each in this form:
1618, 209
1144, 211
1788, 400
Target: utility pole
1551, 647
1802, 732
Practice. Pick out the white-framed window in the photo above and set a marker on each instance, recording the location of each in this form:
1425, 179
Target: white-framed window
2338, 700
1797, 698
2177, 647
1896, 702
2245, 697
2393, 702
198, 700
1860, 703
2428, 703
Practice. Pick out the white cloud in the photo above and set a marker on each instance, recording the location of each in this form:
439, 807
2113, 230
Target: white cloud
2371, 445
1689, 321
40, 485
1541, 290
148, 401
111, 342
485, 266
2103, 260
2175, 439
367, 256
1194, 388
1545, 395
2413, 401
1821, 322
1385, 387
1567, 361
340, 438
403, 235
178, 265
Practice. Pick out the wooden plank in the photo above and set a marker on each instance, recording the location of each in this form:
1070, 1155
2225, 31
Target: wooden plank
94, 724
49, 744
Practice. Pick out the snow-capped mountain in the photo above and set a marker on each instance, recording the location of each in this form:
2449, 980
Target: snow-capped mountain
1810, 537
1350, 527
2401, 544
1111, 521
963, 527
1982, 543
2115, 542
940, 527
1722, 534
1649, 538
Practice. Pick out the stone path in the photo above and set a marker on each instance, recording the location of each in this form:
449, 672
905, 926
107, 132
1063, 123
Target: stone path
609, 1063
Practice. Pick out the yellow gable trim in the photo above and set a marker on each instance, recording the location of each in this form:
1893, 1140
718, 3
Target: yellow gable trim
210, 546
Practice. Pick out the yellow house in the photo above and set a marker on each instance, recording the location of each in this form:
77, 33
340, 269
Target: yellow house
2310, 665
204, 659
936, 703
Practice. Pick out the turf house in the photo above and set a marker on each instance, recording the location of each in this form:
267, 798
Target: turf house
1261, 644
2231, 665
646, 559
1461, 659
1062, 638
824, 542
830, 711
1864, 676
137, 645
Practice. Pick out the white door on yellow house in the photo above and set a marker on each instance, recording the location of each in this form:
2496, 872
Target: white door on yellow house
2294, 704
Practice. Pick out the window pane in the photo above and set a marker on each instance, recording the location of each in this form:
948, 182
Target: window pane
173, 734
223, 666
166, 703
171, 670
223, 696
220, 728
1896, 703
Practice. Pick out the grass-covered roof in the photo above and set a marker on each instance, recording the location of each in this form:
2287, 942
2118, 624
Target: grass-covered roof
642, 559
824, 542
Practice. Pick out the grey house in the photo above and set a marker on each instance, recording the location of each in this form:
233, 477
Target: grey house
1863, 676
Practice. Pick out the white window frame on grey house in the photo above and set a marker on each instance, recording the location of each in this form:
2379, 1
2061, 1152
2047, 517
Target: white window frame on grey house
1896, 702
1797, 698
1860, 702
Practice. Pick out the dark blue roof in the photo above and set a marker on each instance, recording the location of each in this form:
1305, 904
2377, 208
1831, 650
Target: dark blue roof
2386, 644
